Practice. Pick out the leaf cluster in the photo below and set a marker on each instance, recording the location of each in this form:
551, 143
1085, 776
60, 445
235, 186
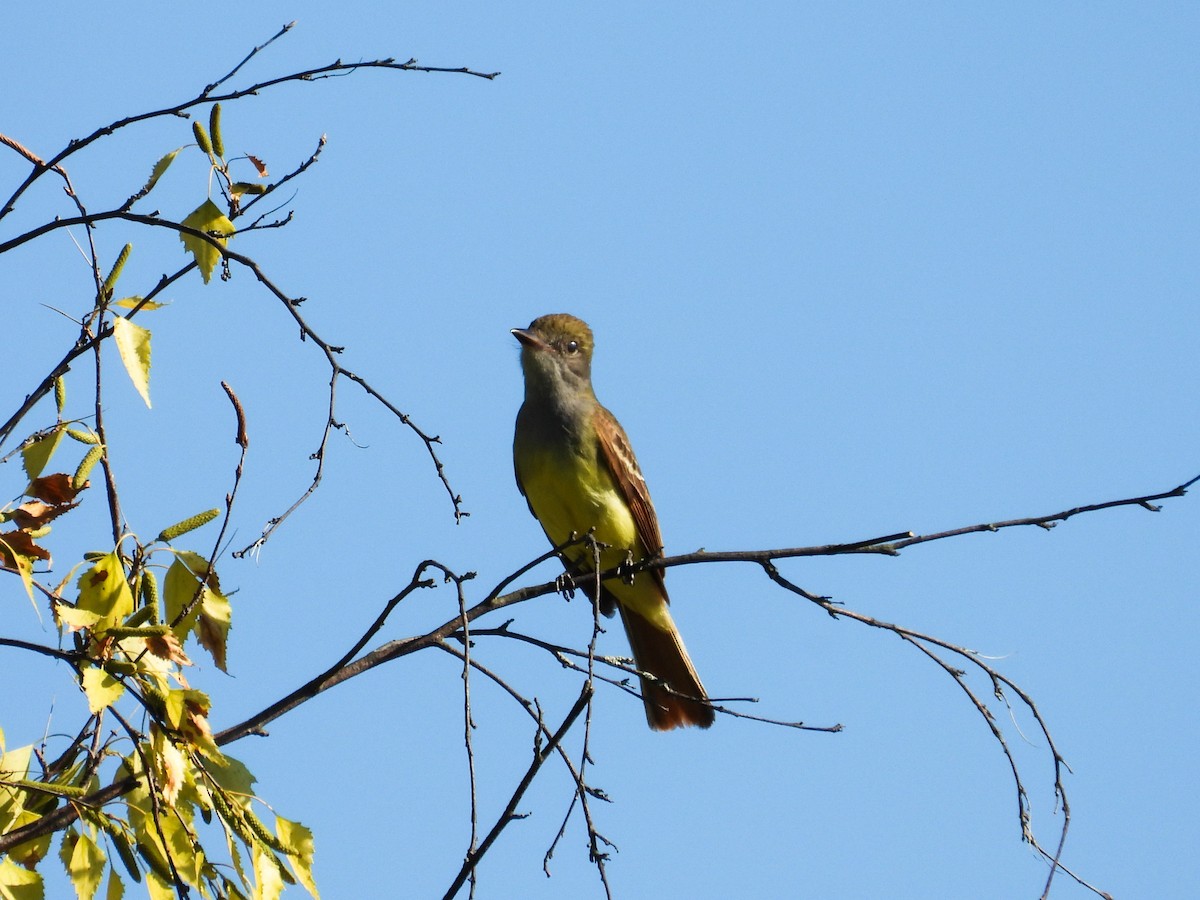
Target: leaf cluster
141, 792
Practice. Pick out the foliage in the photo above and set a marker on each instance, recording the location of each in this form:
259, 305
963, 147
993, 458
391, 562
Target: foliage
124, 638
157, 799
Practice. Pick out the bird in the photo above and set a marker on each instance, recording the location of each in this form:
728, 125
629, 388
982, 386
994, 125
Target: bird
577, 471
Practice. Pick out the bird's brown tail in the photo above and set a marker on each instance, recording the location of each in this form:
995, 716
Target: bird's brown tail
662, 654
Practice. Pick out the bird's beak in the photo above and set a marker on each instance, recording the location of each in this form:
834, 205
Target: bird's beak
529, 339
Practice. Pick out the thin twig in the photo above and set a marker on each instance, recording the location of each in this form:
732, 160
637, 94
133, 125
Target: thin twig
468, 728
510, 810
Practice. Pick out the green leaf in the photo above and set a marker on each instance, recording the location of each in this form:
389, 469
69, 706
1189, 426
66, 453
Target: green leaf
299, 843
102, 689
17, 883
104, 590
36, 454
206, 217
133, 342
85, 865
116, 888
159, 169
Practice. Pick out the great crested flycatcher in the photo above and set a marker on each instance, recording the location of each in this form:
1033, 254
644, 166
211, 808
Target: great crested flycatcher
577, 470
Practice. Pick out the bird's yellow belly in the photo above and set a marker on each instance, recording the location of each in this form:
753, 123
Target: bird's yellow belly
568, 496
569, 499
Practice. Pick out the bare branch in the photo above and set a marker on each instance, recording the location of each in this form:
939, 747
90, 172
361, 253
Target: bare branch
291, 305
335, 68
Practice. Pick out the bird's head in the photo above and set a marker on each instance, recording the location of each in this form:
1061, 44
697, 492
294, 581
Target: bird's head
556, 354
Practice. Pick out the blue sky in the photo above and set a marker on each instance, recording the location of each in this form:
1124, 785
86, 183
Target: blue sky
853, 269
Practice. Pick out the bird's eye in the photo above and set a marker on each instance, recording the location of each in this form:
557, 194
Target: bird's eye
572, 346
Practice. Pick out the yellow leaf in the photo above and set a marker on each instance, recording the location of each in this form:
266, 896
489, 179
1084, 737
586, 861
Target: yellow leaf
189, 858
135, 301
14, 765
133, 343
32, 852
104, 590
187, 711
36, 454
102, 689
212, 629
85, 866
208, 218
159, 888
116, 888
73, 618
179, 589
299, 843
17, 883
233, 776
159, 168
268, 881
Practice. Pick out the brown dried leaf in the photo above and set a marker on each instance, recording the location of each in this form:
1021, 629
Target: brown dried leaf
55, 489
33, 515
167, 646
19, 542
102, 649
195, 727
258, 164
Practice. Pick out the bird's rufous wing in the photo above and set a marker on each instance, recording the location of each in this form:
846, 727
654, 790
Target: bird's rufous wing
617, 453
